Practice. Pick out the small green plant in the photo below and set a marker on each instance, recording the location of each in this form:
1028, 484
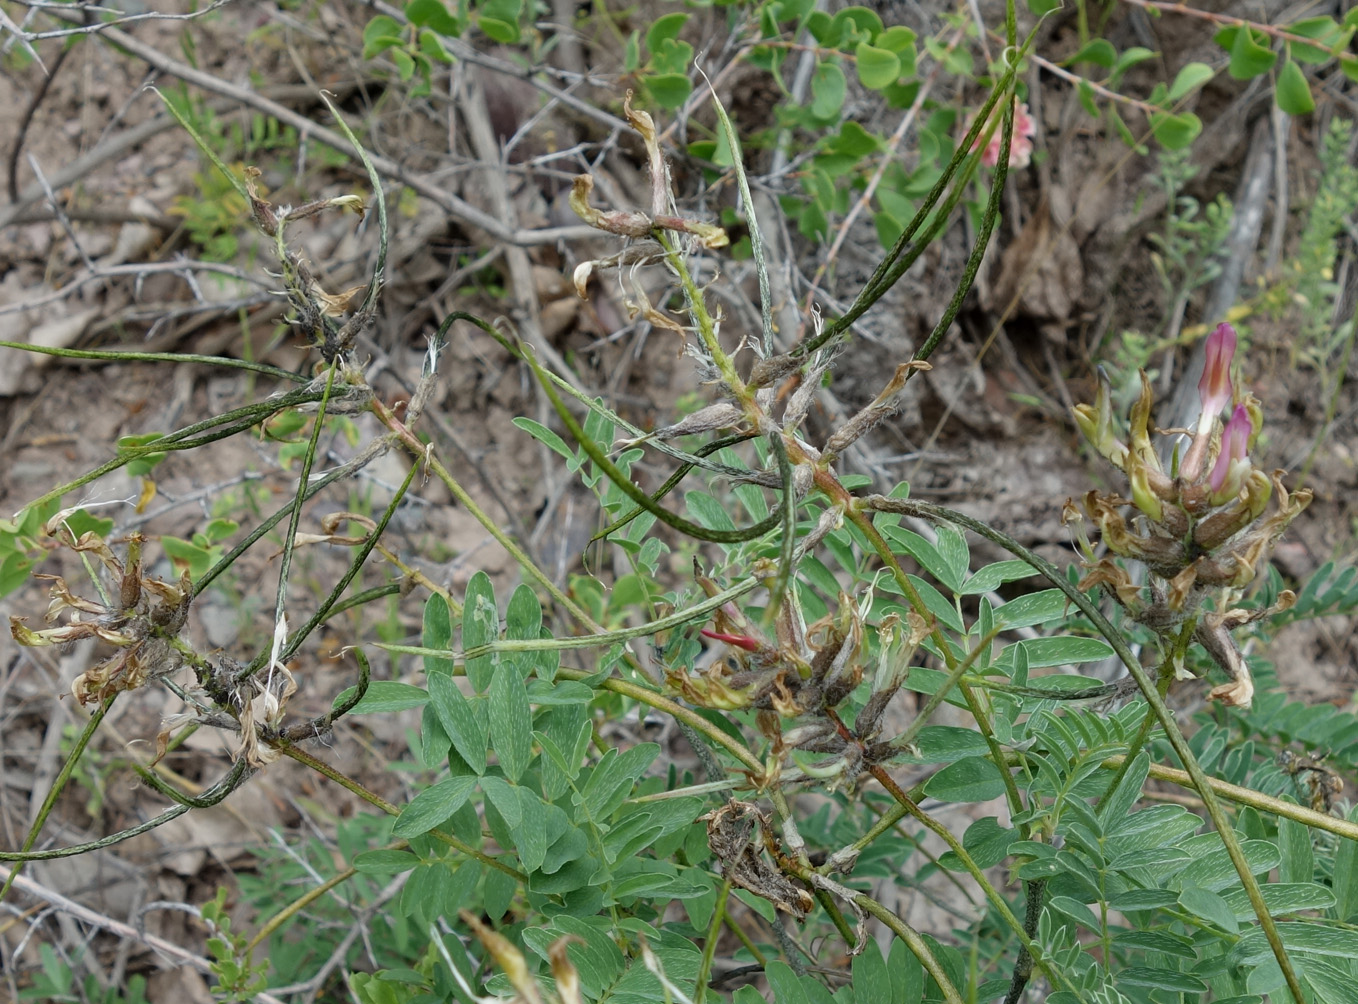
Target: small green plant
1308, 290
211, 216
237, 978
547, 848
203, 550
24, 542
56, 983
1189, 255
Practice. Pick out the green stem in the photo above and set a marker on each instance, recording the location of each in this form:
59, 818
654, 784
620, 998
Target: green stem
628, 488
58, 785
295, 520
1056, 976
120, 356
888, 557
651, 699
1200, 781
355, 566
710, 945
240, 419
377, 801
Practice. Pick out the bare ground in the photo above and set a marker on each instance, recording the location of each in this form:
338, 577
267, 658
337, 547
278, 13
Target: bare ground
986, 430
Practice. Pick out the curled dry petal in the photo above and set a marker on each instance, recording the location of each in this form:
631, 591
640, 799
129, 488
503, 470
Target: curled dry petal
715, 416
63, 599
564, 971
1108, 573
709, 235
882, 407
624, 224
1213, 635
506, 956
712, 689
337, 304
660, 175
1096, 422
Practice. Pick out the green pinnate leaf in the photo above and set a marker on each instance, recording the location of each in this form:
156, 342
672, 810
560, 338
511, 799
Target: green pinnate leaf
468, 731
433, 805
972, 779
523, 622
437, 634
511, 722
480, 626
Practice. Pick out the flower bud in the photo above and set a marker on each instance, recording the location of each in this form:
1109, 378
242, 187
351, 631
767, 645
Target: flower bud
1232, 461
1096, 423
1214, 389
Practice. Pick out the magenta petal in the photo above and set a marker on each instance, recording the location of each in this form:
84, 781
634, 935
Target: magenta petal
1234, 443
1214, 389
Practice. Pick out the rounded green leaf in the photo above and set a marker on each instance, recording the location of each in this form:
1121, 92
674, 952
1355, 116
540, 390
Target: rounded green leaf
1174, 132
664, 28
876, 67
505, 32
828, 88
1249, 59
431, 14
898, 39
853, 24
1324, 30
973, 779
1293, 93
669, 90
380, 33
1189, 79
1098, 51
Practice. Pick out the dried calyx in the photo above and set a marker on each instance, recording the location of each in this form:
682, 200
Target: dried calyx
800, 678
1200, 527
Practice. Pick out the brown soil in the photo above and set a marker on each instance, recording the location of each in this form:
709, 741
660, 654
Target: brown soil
987, 430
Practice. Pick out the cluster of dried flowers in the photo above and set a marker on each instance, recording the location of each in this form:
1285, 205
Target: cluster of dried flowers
1198, 528
140, 617
803, 677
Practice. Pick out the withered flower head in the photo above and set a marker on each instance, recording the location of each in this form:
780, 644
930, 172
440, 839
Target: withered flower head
1200, 532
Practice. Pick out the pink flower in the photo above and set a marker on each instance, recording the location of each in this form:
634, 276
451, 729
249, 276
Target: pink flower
1214, 389
1020, 145
1232, 464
